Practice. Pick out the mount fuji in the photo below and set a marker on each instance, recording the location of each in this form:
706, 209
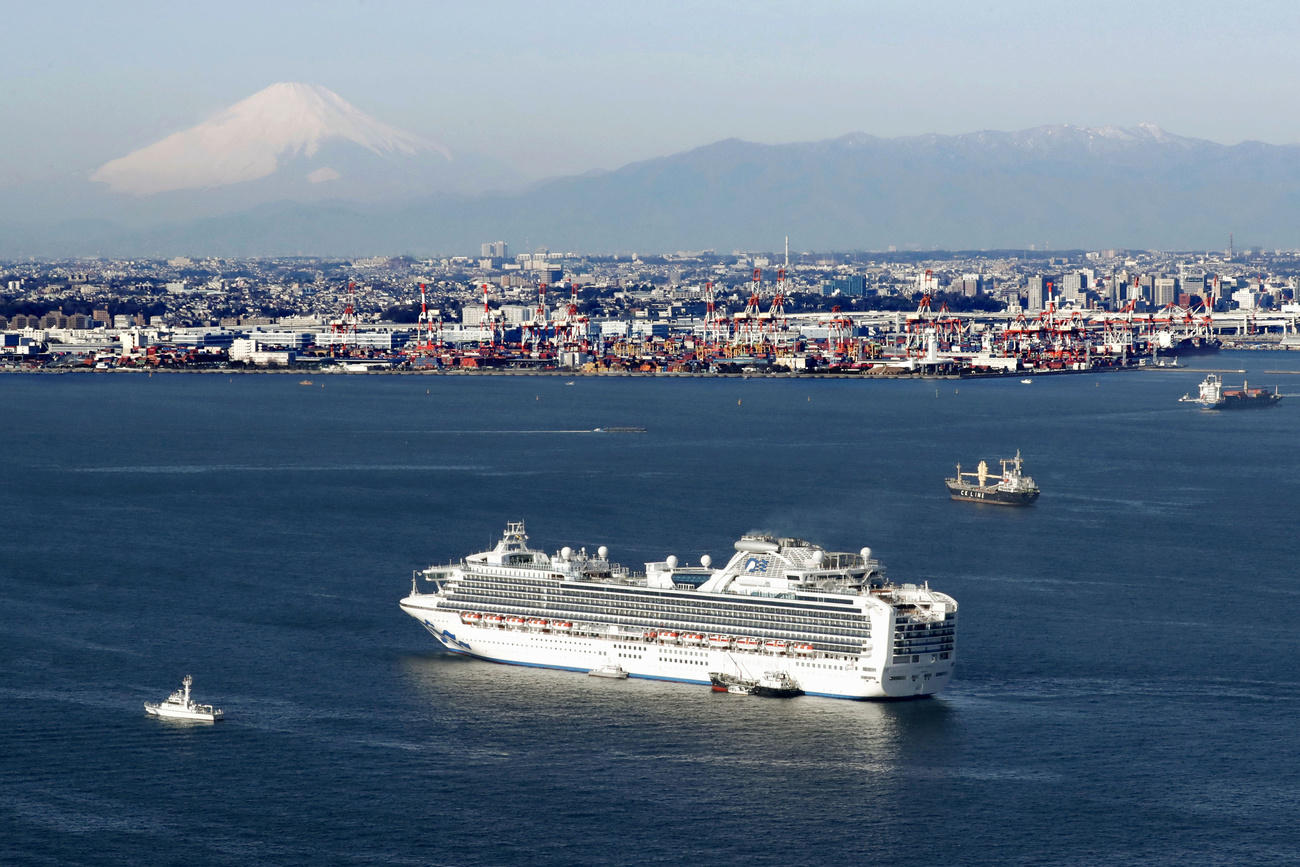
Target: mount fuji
289, 142
287, 126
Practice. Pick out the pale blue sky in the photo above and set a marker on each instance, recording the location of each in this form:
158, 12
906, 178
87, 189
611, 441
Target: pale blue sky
566, 86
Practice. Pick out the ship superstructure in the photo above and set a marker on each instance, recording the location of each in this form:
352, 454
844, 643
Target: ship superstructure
831, 621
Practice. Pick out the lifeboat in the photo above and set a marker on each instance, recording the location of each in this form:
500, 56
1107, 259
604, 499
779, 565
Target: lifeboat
719, 641
650, 635
562, 626
692, 638
538, 624
668, 637
801, 649
747, 644
514, 621
775, 645
495, 620
470, 617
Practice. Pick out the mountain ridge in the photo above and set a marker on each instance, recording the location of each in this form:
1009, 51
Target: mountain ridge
1053, 185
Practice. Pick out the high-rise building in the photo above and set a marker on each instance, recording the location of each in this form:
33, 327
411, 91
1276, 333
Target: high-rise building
849, 284
1040, 287
1074, 285
495, 250
970, 285
1164, 291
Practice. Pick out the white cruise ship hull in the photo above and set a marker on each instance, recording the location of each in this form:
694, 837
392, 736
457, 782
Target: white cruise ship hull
863, 677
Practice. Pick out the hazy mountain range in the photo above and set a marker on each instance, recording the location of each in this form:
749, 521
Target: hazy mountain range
295, 169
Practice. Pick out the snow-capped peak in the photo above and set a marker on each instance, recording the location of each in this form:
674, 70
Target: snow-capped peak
248, 141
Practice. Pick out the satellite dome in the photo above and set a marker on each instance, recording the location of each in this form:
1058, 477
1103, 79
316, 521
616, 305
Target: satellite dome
602, 552
706, 561
566, 552
866, 553
671, 562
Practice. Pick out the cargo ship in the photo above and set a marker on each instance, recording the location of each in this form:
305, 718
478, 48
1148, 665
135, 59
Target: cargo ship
1012, 488
1211, 394
781, 608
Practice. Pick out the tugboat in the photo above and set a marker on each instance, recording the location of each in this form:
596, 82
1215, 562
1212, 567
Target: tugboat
179, 705
773, 684
1212, 395
1010, 489
776, 684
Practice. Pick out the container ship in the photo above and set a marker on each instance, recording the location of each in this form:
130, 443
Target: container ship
1211, 394
1012, 488
829, 622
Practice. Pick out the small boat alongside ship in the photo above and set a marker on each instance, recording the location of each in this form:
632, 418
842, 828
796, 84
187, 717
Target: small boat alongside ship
179, 705
609, 670
1012, 488
1212, 394
773, 684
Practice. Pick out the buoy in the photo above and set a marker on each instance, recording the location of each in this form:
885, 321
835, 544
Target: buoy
737, 401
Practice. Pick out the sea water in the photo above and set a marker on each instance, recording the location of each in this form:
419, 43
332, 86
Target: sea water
1126, 688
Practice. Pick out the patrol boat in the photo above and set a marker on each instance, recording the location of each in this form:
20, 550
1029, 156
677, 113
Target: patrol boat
832, 622
179, 705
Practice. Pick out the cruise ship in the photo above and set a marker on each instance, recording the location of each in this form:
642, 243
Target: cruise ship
830, 621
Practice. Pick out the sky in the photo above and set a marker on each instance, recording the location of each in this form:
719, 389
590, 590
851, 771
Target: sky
564, 87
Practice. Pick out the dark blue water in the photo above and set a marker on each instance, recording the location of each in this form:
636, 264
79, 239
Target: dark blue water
1127, 685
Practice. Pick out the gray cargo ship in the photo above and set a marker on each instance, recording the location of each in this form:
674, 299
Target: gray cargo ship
1012, 488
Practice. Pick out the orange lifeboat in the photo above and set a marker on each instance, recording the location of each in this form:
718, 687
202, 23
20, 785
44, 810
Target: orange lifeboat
802, 649
669, 637
470, 618
775, 645
719, 641
538, 623
514, 621
692, 638
495, 619
562, 626
747, 643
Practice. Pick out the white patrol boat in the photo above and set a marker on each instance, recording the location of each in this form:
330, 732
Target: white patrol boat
179, 705
830, 621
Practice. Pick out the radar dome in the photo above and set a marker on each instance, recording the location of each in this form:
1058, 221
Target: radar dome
602, 552
818, 557
671, 562
566, 552
866, 553
706, 561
